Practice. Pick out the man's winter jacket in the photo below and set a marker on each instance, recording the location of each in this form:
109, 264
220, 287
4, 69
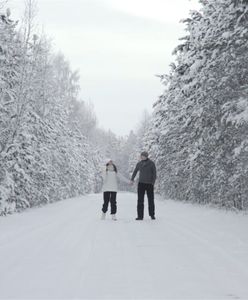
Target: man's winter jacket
147, 171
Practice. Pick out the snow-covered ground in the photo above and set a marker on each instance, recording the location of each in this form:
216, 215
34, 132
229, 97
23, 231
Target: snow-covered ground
64, 251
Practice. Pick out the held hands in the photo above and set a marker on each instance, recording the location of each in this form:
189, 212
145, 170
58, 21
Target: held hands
131, 182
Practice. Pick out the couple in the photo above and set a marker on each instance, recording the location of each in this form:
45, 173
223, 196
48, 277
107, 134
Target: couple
147, 178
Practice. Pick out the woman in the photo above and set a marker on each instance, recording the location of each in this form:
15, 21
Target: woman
110, 190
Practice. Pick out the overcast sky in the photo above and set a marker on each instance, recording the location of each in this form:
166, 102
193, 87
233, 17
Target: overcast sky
118, 46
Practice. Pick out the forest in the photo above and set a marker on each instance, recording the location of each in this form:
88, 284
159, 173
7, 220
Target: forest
51, 146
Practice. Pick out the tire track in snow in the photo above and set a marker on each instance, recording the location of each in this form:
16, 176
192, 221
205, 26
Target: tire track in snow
52, 233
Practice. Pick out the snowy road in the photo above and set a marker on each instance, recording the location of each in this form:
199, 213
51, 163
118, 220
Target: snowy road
64, 251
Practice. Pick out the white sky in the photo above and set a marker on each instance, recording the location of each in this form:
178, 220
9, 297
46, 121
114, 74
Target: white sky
118, 46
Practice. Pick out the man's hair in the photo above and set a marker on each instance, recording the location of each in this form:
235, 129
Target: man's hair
145, 154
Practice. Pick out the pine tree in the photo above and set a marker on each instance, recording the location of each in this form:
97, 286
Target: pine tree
202, 115
45, 155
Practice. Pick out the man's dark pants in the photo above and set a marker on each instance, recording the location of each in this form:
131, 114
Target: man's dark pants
149, 190
109, 197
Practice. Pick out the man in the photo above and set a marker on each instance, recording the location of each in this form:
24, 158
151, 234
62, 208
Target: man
147, 177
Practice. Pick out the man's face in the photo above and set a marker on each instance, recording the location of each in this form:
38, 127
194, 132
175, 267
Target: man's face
143, 157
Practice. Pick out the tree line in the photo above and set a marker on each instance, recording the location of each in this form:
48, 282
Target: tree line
198, 134
46, 153
51, 147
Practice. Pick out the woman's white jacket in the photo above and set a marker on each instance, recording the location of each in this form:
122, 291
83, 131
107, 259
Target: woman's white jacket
110, 181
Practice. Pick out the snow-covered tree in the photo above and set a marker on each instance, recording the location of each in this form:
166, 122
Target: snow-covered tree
45, 154
200, 122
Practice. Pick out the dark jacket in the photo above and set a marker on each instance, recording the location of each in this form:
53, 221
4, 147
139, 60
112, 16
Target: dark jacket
147, 171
